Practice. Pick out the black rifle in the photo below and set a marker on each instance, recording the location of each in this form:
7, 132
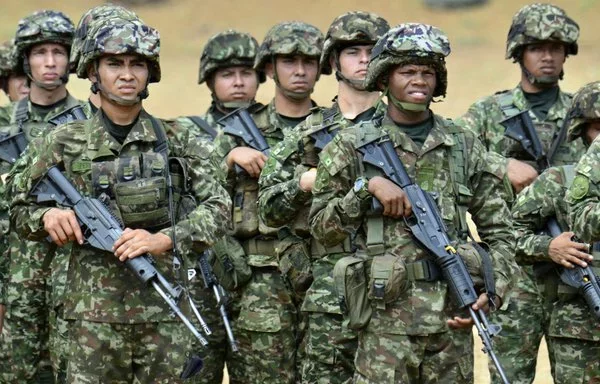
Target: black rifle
323, 136
428, 228
240, 124
12, 147
583, 279
520, 128
101, 230
72, 114
210, 282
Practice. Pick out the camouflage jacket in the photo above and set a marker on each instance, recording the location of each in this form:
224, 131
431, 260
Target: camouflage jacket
337, 211
209, 117
484, 117
100, 287
5, 114
541, 200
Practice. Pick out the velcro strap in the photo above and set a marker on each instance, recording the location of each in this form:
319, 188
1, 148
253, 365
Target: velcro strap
319, 250
423, 270
262, 253
375, 236
148, 216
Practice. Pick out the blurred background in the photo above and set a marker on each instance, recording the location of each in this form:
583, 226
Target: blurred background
476, 66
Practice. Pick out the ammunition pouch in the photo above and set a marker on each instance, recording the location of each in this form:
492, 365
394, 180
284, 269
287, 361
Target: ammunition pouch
350, 278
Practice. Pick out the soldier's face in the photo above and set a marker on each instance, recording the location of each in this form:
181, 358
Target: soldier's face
296, 73
592, 130
544, 59
354, 61
17, 87
123, 75
412, 83
237, 83
48, 62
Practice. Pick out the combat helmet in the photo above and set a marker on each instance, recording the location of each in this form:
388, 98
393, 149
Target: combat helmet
585, 107
351, 28
118, 37
541, 22
228, 49
46, 26
410, 43
8, 64
89, 18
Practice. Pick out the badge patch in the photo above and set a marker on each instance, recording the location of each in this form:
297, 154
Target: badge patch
580, 187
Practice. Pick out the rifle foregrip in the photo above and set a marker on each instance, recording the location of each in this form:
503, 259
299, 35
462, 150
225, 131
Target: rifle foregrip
459, 281
142, 268
591, 294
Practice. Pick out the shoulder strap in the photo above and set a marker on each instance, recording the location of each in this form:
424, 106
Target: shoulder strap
20, 115
507, 105
161, 145
203, 124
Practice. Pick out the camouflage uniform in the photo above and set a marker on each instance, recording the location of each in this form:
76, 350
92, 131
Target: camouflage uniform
110, 314
524, 320
403, 337
330, 346
268, 325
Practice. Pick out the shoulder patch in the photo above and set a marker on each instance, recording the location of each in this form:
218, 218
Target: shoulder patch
580, 187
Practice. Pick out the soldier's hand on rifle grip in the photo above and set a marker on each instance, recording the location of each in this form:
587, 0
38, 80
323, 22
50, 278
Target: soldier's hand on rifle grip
250, 159
393, 199
520, 174
467, 322
62, 226
137, 242
565, 252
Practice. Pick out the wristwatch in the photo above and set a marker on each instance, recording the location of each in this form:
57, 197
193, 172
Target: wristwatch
361, 188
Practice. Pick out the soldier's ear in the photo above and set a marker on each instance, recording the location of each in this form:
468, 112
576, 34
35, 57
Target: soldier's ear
269, 69
91, 73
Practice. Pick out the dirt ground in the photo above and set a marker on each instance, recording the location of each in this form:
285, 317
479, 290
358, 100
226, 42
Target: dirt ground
476, 65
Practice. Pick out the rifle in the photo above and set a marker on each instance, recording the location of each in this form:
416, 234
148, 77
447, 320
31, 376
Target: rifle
427, 227
520, 128
72, 114
101, 230
583, 279
210, 282
12, 147
240, 124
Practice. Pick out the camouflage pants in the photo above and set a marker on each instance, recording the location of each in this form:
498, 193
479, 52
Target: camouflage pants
27, 311
266, 331
126, 353
58, 341
437, 358
576, 361
330, 350
524, 322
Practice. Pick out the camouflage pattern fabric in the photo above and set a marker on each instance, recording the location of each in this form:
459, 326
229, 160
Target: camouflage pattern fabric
411, 328
99, 288
540, 22
269, 322
289, 38
330, 347
7, 59
5, 114
585, 107
483, 118
228, 49
575, 364
558, 312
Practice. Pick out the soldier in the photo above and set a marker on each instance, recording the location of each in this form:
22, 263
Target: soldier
573, 332
268, 324
117, 157
42, 43
404, 323
287, 180
12, 82
226, 66
540, 38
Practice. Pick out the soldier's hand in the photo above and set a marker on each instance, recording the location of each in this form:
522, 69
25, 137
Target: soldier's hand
250, 159
520, 174
565, 252
307, 180
62, 226
137, 242
467, 322
393, 199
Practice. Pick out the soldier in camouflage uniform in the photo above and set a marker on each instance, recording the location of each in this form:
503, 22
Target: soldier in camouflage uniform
42, 43
573, 332
12, 82
540, 38
404, 334
115, 158
226, 66
268, 324
288, 177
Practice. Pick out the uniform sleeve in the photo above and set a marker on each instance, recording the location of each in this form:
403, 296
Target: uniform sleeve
533, 207
491, 214
583, 196
280, 195
336, 211
223, 145
474, 120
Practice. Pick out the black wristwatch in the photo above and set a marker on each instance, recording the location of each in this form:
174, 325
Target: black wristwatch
361, 188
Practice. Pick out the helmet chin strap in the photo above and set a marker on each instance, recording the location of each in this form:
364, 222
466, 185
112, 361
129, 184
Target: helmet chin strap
230, 106
359, 85
541, 81
294, 95
404, 106
97, 87
64, 79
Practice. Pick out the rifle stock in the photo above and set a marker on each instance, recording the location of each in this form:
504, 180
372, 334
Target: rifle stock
12, 147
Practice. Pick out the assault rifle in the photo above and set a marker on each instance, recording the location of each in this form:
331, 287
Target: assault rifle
428, 228
12, 147
240, 124
101, 230
210, 282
